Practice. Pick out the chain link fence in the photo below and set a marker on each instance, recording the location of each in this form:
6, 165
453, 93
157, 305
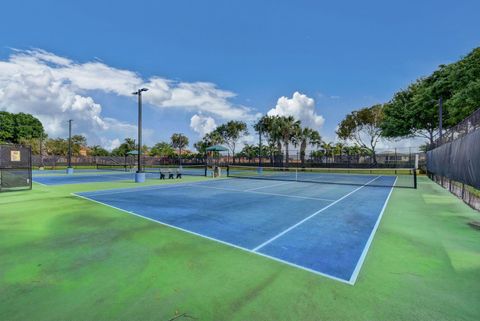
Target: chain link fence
453, 161
407, 157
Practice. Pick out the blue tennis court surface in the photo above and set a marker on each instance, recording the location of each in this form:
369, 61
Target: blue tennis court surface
61, 171
87, 177
59, 177
323, 228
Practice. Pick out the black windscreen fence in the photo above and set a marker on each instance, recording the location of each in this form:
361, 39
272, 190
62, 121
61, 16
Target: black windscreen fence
15, 168
458, 160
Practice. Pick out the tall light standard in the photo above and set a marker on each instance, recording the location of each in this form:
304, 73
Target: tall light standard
139, 175
69, 166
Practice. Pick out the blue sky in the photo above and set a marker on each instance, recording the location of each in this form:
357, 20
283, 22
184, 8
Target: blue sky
343, 55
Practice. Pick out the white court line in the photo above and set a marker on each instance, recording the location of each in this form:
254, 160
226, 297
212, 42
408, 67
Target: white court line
219, 241
309, 217
267, 193
355, 273
257, 188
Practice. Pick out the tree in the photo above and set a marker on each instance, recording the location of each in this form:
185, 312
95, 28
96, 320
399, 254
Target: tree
179, 141
307, 136
288, 127
162, 149
249, 151
18, 128
231, 133
7, 127
317, 155
78, 143
127, 146
201, 146
210, 139
414, 111
27, 126
57, 146
327, 149
97, 150
266, 127
363, 127
411, 112
34, 144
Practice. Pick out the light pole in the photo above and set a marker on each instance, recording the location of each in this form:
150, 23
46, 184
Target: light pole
69, 158
139, 175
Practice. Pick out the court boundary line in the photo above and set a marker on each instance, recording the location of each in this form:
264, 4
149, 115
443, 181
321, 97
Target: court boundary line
355, 273
311, 216
272, 194
361, 260
218, 241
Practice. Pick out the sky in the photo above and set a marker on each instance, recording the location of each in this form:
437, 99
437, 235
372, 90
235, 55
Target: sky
208, 62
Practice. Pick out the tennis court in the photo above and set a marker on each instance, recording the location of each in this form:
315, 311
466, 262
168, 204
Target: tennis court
323, 228
110, 173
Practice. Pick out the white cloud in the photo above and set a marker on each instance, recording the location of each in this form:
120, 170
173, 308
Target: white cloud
55, 89
199, 97
202, 124
110, 143
301, 107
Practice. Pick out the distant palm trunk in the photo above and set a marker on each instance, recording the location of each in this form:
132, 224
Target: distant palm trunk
303, 147
286, 153
279, 157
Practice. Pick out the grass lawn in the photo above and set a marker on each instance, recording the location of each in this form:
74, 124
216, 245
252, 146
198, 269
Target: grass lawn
65, 258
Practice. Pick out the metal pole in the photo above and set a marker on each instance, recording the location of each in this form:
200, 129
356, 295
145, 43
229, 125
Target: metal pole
69, 143
139, 156
440, 118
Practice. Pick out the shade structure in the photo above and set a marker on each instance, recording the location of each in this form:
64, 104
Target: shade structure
217, 148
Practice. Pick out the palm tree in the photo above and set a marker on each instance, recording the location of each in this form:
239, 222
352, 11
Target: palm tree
269, 128
97, 150
288, 127
179, 141
307, 136
327, 149
338, 149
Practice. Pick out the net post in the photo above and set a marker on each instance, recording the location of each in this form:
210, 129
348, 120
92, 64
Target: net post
414, 178
228, 171
206, 170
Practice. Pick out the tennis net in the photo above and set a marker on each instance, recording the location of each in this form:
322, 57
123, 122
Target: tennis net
383, 177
